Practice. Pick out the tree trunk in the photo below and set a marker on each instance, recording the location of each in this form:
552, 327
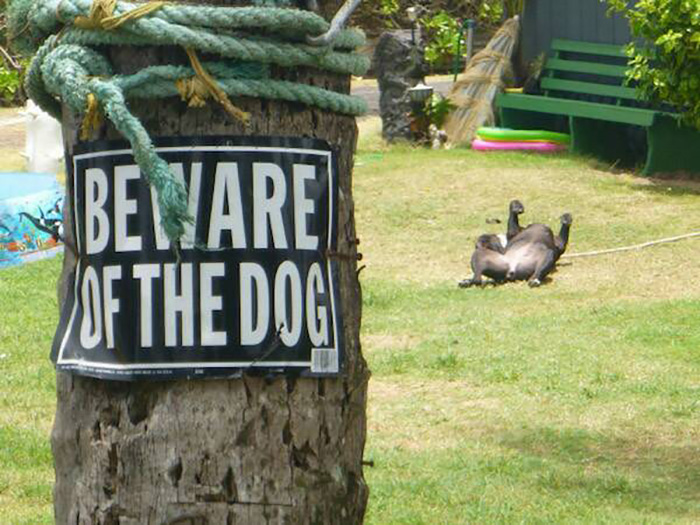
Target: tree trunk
251, 450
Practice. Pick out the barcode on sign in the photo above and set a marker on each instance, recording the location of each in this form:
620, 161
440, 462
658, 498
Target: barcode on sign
324, 361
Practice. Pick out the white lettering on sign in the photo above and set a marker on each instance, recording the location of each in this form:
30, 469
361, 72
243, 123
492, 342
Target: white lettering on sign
288, 291
316, 316
270, 195
96, 219
294, 307
227, 194
123, 207
178, 304
255, 290
210, 303
146, 273
111, 304
303, 207
91, 326
267, 213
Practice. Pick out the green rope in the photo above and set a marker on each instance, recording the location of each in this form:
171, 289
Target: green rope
286, 54
157, 82
67, 70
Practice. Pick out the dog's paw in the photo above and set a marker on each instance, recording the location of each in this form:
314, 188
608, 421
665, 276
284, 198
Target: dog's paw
467, 283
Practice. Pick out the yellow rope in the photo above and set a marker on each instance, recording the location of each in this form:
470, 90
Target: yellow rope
92, 119
113, 22
99, 10
102, 15
196, 90
193, 91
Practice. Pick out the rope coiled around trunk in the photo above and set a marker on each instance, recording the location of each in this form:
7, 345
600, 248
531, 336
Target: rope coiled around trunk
70, 69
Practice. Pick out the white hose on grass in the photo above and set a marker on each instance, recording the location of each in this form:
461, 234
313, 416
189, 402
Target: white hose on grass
630, 248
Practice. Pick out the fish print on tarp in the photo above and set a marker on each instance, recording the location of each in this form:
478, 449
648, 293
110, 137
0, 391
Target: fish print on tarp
31, 218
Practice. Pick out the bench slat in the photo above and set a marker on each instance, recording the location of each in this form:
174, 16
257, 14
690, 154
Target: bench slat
577, 66
588, 48
589, 88
577, 108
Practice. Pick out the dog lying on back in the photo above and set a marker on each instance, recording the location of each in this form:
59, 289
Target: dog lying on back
529, 254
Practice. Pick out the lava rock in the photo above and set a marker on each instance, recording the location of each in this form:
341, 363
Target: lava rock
399, 64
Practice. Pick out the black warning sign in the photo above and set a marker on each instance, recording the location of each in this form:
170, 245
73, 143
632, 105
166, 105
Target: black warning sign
251, 288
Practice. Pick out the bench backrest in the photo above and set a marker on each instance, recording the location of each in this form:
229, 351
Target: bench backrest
584, 69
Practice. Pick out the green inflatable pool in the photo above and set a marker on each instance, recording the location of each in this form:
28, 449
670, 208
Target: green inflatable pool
522, 135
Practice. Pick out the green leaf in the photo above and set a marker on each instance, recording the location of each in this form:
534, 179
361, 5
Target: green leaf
673, 27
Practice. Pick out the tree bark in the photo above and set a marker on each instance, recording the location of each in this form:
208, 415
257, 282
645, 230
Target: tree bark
251, 450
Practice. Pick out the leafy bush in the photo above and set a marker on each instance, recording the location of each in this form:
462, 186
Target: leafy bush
438, 107
389, 7
443, 36
10, 69
492, 12
10, 81
666, 65
375, 16
440, 21
443, 31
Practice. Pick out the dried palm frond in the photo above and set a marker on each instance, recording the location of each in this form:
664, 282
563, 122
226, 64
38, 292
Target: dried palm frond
474, 92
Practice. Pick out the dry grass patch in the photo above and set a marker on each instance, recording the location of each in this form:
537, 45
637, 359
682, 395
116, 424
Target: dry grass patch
379, 342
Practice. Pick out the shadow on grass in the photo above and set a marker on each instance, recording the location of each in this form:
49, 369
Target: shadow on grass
672, 184
637, 473
678, 185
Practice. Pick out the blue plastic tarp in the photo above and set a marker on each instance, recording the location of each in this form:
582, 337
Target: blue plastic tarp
31, 219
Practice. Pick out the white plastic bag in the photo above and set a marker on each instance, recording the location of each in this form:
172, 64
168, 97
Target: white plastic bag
44, 141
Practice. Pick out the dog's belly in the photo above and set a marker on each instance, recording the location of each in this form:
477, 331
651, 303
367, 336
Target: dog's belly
522, 261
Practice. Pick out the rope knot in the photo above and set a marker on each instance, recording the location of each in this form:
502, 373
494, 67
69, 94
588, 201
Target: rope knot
197, 89
193, 91
99, 11
101, 15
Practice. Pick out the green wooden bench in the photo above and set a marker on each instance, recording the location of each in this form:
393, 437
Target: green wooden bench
586, 83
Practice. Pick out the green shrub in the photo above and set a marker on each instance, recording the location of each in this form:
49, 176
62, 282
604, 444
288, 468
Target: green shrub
445, 36
438, 107
9, 85
11, 92
666, 64
376, 16
491, 12
443, 33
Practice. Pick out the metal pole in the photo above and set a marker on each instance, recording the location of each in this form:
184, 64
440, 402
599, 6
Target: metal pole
456, 62
471, 25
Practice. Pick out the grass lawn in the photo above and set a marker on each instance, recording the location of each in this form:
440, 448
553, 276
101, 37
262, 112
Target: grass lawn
574, 402
28, 317
577, 402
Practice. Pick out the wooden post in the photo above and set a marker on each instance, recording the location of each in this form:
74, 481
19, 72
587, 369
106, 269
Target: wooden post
251, 450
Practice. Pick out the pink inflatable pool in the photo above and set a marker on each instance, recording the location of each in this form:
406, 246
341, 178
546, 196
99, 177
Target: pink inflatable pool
541, 147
